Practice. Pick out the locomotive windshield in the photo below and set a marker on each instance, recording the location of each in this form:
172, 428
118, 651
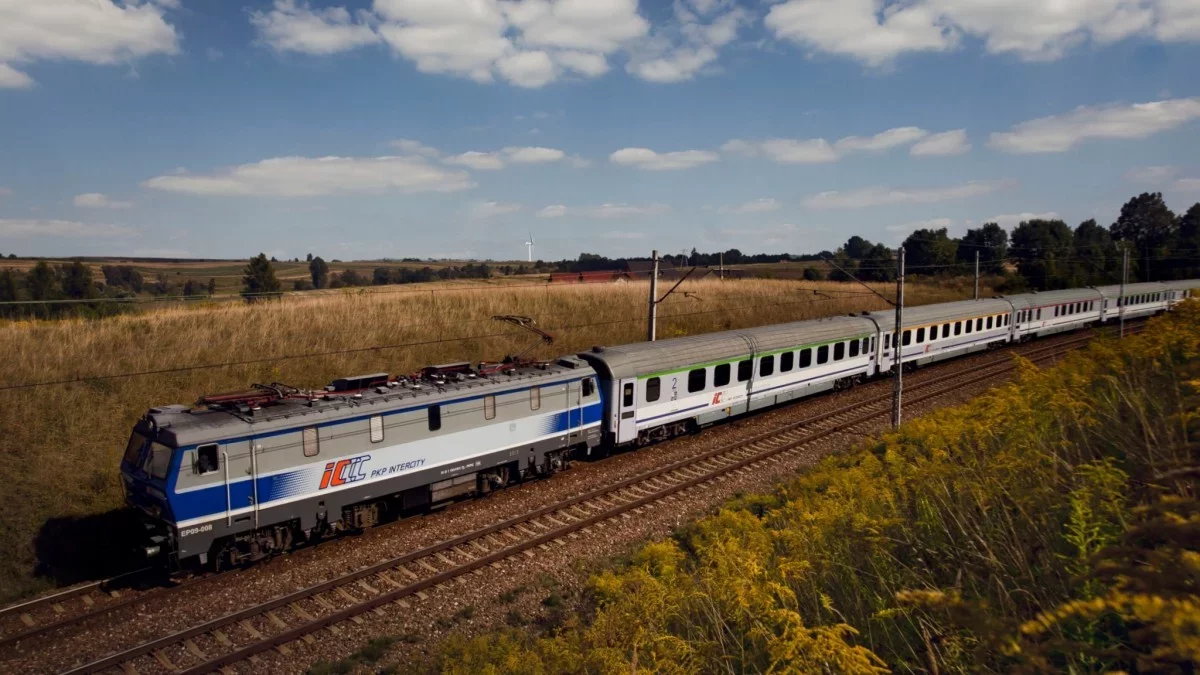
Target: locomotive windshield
133, 451
158, 460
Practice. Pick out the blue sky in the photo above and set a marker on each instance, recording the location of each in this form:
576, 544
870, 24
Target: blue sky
454, 128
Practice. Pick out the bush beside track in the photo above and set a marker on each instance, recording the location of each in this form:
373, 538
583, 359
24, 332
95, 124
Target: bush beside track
1050, 525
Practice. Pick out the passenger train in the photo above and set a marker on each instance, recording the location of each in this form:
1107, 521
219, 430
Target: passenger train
237, 477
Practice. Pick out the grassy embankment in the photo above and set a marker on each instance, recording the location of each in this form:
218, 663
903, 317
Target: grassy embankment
1050, 526
61, 444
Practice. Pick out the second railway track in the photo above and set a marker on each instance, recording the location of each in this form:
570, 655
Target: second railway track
243, 634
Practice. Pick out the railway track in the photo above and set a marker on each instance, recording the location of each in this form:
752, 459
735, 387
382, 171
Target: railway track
410, 578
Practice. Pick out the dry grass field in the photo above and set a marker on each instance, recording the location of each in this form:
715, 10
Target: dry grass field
61, 444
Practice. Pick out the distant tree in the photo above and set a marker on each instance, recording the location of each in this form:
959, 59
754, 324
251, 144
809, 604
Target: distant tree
878, 264
319, 271
258, 279
309, 258
847, 265
8, 285
353, 278
193, 288
856, 247
814, 274
42, 282
273, 259
161, 285
212, 286
929, 251
381, 276
77, 281
1043, 249
991, 241
1187, 245
1096, 259
302, 285
12, 256
1148, 225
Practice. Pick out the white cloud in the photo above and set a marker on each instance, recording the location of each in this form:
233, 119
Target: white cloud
884, 140
161, 253
605, 211
689, 44
1151, 174
644, 158
819, 150
886, 196
1010, 220
11, 78
480, 161
1188, 184
930, 224
95, 200
299, 28
317, 176
764, 205
533, 155
21, 227
411, 147
528, 43
863, 29
875, 32
944, 144
96, 31
1114, 121
492, 161
768, 235
487, 210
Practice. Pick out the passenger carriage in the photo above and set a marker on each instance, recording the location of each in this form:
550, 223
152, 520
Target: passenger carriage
1049, 312
1178, 291
1141, 299
660, 389
935, 332
248, 474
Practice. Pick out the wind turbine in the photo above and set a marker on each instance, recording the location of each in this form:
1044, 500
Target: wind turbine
529, 247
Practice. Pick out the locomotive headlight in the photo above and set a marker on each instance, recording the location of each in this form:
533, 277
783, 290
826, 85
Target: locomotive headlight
152, 551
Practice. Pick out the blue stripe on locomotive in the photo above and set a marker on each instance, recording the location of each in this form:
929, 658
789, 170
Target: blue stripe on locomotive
210, 501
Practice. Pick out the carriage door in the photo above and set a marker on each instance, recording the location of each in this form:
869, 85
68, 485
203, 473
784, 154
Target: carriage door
255, 450
574, 411
627, 411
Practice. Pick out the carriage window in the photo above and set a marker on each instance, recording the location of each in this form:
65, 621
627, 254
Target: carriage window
969, 325
920, 335
697, 380
979, 323
945, 330
822, 354
589, 387
535, 398
207, 460
653, 389
489, 407
839, 351
744, 369
376, 425
312, 445
989, 323
766, 365
906, 339
787, 361
627, 395
721, 375
867, 344
1039, 313
853, 348
805, 358
435, 417
958, 328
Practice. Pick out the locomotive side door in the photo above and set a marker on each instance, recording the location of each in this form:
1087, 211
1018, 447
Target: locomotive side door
626, 411
255, 449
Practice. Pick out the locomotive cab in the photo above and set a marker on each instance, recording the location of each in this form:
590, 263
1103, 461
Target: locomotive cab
145, 468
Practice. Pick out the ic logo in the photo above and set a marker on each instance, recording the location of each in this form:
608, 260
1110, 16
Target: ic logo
717, 398
344, 471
